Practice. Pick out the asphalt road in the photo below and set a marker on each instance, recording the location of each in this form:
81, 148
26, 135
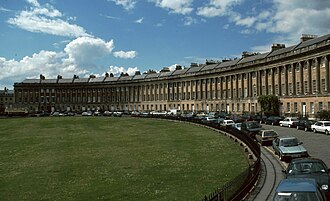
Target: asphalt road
317, 144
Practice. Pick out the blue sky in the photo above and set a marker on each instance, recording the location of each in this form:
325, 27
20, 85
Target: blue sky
84, 37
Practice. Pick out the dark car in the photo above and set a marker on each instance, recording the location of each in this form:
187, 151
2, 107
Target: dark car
305, 124
251, 128
309, 168
299, 189
273, 120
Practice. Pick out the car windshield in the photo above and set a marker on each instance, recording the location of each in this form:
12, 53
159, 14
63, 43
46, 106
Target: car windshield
296, 196
290, 142
307, 167
270, 133
327, 124
253, 125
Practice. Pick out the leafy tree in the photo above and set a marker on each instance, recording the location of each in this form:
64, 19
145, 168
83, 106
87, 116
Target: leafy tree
270, 104
323, 115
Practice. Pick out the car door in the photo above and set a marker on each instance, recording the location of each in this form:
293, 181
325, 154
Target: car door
275, 145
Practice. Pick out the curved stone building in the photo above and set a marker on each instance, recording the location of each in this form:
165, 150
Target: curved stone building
298, 75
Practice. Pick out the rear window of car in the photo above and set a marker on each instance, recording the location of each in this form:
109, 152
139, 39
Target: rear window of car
270, 133
327, 124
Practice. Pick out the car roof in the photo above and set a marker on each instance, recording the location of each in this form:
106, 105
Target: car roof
297, 185
324, 121
298, 160
287, 137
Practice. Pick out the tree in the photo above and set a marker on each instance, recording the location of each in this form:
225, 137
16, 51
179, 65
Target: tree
270, 104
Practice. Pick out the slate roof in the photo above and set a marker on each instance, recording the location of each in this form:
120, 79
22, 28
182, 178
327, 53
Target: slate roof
139, 77
210, 67
81, 80
253, 58
180, 72
65, 81
227, 63
97, 79
313, 41
111, 79
281, 51
194, 69
125, 78
31, 81
49, 81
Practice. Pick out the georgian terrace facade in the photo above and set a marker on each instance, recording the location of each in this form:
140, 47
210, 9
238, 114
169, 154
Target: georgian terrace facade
298, 75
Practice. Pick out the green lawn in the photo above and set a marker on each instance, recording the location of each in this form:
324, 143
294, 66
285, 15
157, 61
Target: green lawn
106, 158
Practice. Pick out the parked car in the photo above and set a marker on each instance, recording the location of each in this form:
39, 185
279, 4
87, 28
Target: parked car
299, 189
289, 122
321, 126
309, 168
266, 137
237, 126
288, 148
227, 123
117, 114
88, 113
273, 120
251, 128
305, 124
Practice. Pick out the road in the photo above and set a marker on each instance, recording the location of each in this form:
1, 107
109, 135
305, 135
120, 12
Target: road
317, 145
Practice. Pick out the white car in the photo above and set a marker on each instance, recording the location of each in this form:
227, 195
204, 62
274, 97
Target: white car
289, 122
227, 123
321, 126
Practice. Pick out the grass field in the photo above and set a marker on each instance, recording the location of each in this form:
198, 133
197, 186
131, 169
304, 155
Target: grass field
99, 158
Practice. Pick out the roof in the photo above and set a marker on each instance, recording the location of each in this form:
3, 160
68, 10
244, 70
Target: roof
31, 81
228, 63
298, 160
281, 51
49, 81
153, 75
139, 77
180, 72
210, 66
194, 69
97, 79
81, 80
253, 58
313, 41
111, 79
65, 80
125, 78
297, 185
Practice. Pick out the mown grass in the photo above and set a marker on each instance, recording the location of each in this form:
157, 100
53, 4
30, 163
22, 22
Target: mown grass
98, 158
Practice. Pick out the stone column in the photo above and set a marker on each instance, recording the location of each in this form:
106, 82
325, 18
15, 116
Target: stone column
309, 71
326, 61
318, 79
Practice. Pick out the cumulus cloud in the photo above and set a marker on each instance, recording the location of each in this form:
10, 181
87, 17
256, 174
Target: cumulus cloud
187, 21
77, 58
126, 4
183, 7
47, 20
84, 50
125, 55
116, 70
217, 8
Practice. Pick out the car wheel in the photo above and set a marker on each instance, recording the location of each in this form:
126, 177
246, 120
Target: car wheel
326, 132
272, 123
281, 125
314, 130
306, 129
298, 127
289, 126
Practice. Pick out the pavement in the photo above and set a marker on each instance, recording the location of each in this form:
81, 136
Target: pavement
271, 175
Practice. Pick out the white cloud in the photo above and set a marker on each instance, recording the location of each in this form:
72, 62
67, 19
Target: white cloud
77, 58
46, 20
126, 4
33, 2
84, 50
183, 7
125, 55
218, 8
116, 70
139, 21
187, 21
